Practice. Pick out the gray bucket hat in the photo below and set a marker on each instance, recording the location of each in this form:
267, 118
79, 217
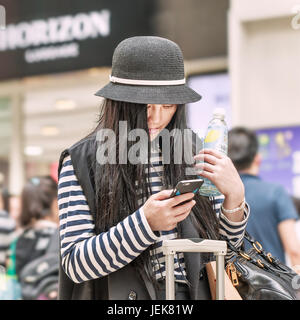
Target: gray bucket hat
148, 69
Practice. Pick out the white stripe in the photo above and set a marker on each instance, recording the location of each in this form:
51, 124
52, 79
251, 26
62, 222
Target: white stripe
117, 244
84, 262
81, 207
229, 237
124, 242
76, 228
237, 223
82, 235
75, 218
235, 231
156, 188
239, 243
146, 82
69, 189
67, 168
102, 257
158, 168
77, 267
155, 179
69, 269
156, 159
133, 238
146, 225
110, 251
93, 259
69, 198
67, 179
139, 231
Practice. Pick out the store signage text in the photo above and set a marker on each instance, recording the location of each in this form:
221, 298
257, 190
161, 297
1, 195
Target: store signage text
58, 34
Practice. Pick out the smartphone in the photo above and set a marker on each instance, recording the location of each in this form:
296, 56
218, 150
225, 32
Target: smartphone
185, 186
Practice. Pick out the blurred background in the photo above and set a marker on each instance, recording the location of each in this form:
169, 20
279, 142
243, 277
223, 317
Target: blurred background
242, 55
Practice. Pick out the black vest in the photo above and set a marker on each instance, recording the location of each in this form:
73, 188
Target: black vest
124, 283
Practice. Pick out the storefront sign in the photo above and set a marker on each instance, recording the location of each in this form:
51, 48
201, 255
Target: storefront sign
55, 36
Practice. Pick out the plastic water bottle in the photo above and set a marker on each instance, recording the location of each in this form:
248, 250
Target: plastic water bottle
216, 138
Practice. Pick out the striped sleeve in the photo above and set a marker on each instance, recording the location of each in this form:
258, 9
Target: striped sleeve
85, 255
232, 231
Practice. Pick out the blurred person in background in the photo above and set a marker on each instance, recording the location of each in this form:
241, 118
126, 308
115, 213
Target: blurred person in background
38, 219
273, 214
7, 226
34, 254
30, 255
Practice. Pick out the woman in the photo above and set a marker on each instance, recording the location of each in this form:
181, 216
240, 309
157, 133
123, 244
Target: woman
115, 210
38, 219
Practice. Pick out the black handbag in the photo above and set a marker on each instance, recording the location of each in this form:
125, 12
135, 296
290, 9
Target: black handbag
257, 275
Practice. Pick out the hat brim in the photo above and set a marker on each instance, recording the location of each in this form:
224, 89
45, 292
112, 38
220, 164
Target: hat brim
179, 94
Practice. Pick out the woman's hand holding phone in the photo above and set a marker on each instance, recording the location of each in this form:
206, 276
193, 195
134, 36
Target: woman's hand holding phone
163, 213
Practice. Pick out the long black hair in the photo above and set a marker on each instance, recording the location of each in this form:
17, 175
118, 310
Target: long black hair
116, 184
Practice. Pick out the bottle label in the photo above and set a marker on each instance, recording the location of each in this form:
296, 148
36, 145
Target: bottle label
212, 136
217, 139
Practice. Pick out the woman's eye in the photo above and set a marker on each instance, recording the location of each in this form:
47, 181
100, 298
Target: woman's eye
168, 106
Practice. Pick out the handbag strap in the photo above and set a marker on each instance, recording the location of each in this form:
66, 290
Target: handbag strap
258, 247
248, 237
260, 250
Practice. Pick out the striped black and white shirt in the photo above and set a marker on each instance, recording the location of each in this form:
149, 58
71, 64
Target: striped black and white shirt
7, 235
87, 256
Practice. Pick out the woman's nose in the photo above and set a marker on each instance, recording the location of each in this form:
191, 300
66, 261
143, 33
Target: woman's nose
154, 114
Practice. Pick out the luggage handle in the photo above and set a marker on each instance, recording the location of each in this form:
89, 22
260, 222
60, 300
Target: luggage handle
217, 247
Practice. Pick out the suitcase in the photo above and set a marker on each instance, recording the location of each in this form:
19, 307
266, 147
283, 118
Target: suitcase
217, 247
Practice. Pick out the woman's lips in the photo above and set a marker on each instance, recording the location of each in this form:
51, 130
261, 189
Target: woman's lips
153, 130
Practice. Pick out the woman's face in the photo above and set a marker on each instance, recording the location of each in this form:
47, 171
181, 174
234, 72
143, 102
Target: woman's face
158, 117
